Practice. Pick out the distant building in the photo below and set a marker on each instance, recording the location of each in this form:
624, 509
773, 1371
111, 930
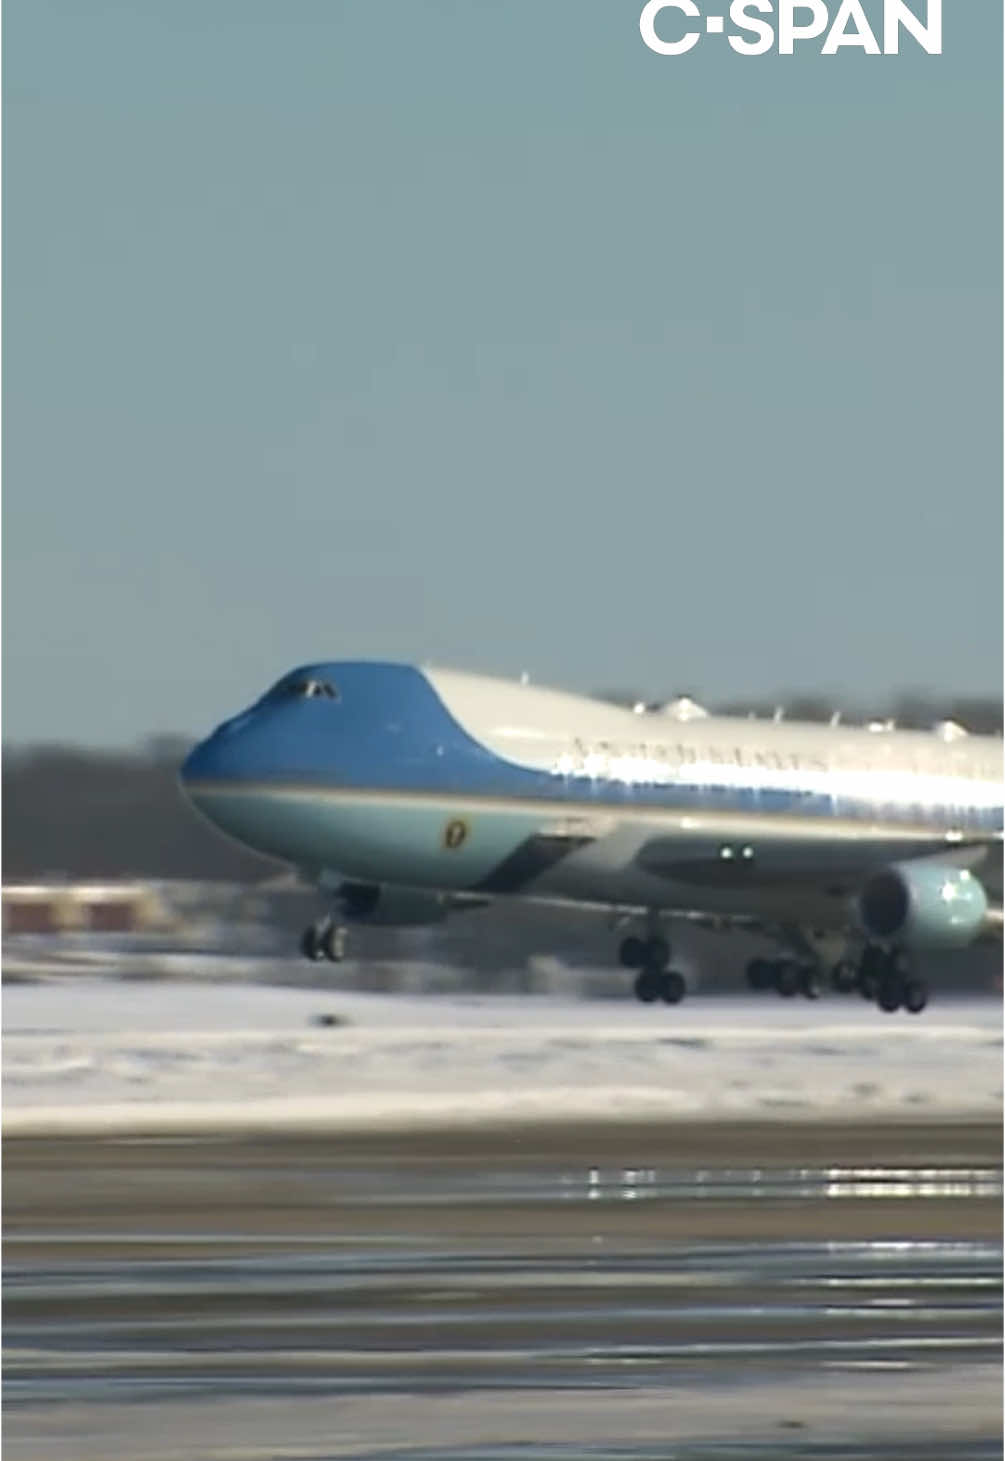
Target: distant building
83, 908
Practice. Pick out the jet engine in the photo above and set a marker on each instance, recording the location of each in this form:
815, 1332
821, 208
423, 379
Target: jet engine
924, 905
381, 904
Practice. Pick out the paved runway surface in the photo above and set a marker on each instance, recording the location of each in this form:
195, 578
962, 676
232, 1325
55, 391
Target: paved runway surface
705, 1291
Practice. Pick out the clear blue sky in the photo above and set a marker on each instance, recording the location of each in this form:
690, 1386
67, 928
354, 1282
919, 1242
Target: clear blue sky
475, 332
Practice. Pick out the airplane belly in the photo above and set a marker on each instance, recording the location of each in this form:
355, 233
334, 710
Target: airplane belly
602, 874
768, 869
380, 837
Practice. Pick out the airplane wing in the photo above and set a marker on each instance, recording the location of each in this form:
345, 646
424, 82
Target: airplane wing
939, 887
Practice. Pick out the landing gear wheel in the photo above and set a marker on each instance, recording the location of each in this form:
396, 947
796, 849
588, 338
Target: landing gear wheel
648, 986
333, 941
844, 977
891, 994
898, 963
787, 978
657, 952
809, 982
310, 944
915, 996
632, 952
674, 987
760, 974
873, 968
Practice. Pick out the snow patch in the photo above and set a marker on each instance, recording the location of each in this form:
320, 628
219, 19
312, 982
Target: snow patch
93, 1055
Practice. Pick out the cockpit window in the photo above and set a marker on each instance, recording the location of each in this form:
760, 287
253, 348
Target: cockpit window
313, 690
300, 687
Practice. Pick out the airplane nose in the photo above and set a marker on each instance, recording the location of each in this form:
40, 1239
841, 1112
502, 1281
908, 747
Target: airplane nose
193, 767
241, 749
201, 766
216, 758
223, 776
208, 777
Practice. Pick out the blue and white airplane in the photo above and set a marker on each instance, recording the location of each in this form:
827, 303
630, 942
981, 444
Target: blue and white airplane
406, 793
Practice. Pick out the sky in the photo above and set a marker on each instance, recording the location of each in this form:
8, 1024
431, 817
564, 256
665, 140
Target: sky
479, 334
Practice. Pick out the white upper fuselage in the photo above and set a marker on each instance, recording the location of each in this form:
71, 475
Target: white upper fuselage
574, 736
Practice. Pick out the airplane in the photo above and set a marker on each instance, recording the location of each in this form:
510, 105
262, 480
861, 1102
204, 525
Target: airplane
405, 794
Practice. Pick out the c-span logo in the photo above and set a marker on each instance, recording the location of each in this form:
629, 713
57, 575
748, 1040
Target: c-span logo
753, 30
454, 834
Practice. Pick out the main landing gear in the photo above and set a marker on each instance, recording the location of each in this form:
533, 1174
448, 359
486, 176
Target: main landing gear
884, 976
654, 980
880, 975
324, 940
788, 977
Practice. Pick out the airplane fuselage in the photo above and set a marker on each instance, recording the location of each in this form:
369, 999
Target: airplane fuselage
388, 774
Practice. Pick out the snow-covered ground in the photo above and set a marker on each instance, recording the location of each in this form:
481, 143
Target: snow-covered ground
94, 1055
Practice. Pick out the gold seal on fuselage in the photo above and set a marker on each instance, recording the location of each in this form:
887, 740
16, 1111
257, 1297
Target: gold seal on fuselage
455, 833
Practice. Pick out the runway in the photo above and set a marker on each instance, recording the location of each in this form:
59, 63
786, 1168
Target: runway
713, 1290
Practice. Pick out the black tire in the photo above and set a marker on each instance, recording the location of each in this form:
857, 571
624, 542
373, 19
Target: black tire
632, 952
872, 968
891, 994
333, 943
674, 987
760, 974
310, 944
809, 982
787, 978
657, 952
844, 977
915, 996
648, 986
898, 962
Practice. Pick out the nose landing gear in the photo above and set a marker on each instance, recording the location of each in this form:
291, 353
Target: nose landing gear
324, 940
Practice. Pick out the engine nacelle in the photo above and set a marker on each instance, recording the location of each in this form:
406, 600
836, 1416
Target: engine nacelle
924, 905
381, 904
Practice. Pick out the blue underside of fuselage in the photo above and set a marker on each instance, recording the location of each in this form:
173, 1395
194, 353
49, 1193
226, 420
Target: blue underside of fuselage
389, 731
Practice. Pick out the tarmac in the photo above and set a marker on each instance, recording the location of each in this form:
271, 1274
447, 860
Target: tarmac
702, 1290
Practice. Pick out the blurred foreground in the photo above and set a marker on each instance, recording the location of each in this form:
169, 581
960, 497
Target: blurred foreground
245, 1221
710, 1291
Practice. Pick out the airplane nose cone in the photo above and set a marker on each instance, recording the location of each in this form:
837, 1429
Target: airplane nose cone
217, 758
191, 769
222, 778
200, 767
213, 771
240, 752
